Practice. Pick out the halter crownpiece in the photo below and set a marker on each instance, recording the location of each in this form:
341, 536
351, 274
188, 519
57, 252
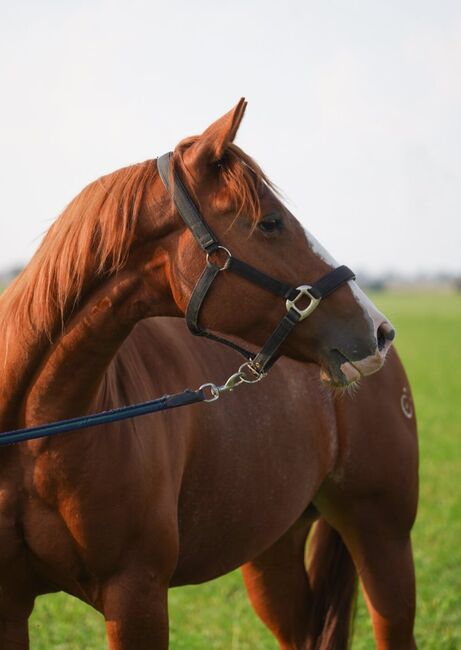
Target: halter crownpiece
260, 363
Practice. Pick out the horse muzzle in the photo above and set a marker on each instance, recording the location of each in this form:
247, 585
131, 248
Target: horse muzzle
340, 369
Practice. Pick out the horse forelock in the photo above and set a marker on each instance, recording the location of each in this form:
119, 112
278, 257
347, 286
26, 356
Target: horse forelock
246, 183
93, 235
240, 176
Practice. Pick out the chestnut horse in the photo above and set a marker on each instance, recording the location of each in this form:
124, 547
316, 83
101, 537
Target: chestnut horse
115, 515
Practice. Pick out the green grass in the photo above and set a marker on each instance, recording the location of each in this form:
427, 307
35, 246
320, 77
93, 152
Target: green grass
217, 615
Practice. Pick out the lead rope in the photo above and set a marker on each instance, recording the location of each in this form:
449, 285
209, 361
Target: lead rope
207, 392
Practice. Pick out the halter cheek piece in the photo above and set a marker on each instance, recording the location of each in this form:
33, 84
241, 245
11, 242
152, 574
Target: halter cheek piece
257, 365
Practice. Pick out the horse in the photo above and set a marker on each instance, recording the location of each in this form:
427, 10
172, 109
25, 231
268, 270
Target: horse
117, 515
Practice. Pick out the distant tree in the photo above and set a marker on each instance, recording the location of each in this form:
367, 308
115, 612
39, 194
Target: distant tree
14, 271
8, 276
376, 285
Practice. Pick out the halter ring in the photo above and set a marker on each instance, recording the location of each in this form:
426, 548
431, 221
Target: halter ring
226, 263
303, 290
250, 374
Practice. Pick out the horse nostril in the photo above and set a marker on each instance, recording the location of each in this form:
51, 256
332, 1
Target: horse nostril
385, 333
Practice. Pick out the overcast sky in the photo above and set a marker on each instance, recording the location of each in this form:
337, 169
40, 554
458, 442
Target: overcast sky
354, 111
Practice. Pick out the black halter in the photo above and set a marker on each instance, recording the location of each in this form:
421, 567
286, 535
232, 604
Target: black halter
260, 363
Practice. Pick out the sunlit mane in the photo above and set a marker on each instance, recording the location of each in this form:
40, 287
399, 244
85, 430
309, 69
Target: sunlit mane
92, 236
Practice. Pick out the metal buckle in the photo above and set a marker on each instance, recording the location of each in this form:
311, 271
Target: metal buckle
226, 263
303, 290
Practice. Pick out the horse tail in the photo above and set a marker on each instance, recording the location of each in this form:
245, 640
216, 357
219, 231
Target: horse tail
333, 581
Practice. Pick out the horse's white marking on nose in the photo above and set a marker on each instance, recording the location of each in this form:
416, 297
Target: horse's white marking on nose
368, 308
319, 250
373, 313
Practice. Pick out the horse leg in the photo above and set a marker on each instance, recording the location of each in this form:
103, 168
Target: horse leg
18, 591
14, 615
385, 566
135, 608
378, 539
278, 586
304, 609
14, 631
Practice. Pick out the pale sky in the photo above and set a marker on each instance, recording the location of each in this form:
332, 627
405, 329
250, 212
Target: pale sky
354, 111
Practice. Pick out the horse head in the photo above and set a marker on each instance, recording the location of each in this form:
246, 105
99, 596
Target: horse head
346, 334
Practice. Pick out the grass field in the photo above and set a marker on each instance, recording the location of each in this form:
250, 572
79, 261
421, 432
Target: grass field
217, 616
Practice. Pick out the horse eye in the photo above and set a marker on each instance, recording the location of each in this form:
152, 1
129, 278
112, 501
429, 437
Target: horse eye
270, 225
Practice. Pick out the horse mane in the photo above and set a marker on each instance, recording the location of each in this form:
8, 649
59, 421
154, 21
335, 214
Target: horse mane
94, 233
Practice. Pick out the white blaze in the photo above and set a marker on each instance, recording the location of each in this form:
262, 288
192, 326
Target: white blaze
368, 308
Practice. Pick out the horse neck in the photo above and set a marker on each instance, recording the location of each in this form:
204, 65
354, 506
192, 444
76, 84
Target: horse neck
46, 381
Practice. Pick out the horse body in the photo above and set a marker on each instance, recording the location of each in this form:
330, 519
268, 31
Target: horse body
214, 467
115, 515
206, 489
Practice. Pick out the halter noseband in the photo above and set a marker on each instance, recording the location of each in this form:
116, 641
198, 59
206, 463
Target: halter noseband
260, 363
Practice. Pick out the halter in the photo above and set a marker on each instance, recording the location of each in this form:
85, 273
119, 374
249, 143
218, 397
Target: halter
257, 365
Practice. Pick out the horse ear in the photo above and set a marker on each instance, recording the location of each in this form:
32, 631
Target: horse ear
211, 145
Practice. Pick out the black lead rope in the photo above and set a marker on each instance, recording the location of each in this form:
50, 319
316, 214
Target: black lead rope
105, 417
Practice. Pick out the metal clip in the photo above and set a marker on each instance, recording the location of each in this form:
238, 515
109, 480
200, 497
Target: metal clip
237, 379
214, 392
234, 380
